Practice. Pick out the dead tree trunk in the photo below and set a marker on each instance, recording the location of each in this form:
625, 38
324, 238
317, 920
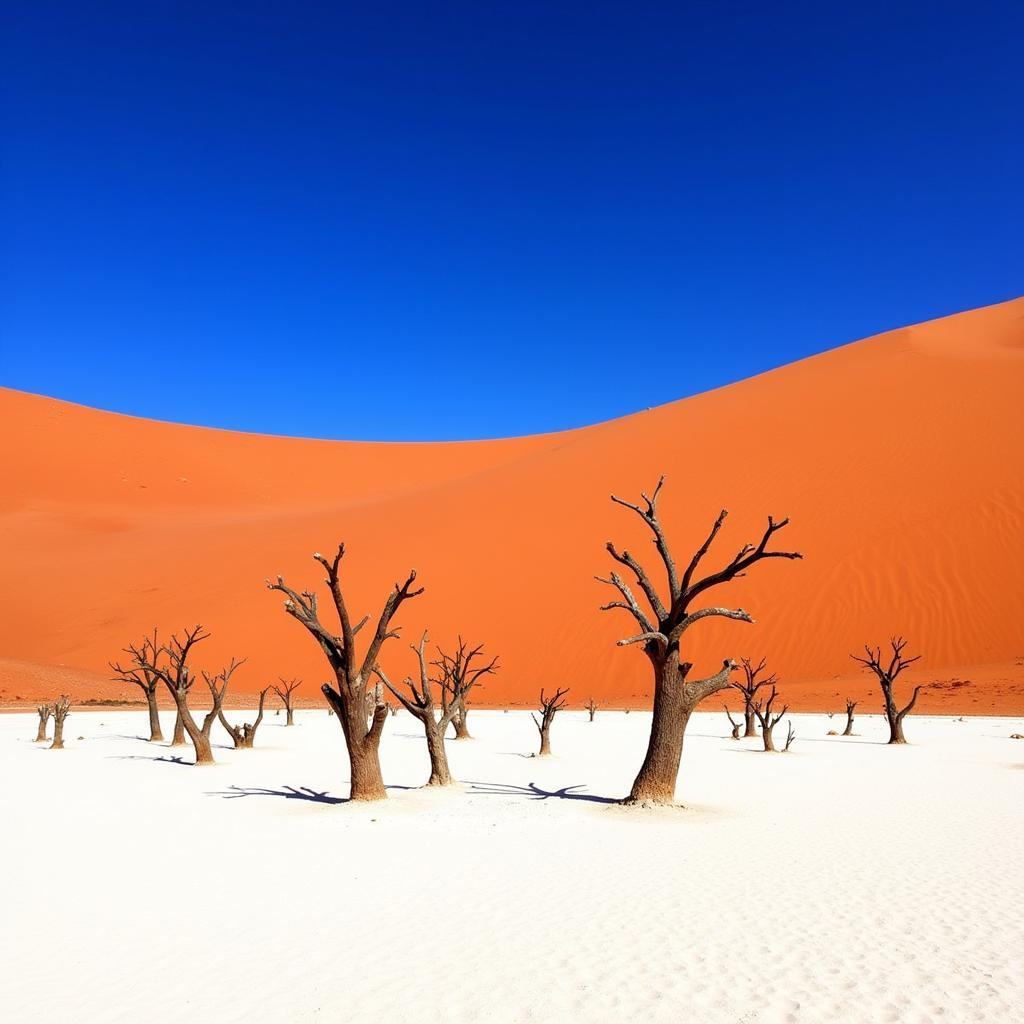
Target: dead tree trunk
549, 707
139, 675
285, 691
455, 670
850, 705
45, 710
790, 736
591, 706
244, 736
735, 725
661, 629
178, 736
748, 688
886, 677
61, 710
374, 699
352, 675
768, 721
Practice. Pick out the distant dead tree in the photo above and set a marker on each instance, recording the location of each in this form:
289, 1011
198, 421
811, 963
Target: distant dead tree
886, 677
392, 709
790, 736
735, 725
45, 710
591, 707
61, 710
661, 630
768, 720
749, 688
549, 707
244, 736
139, 674
850, 705
285, 691
456, 670
352, 675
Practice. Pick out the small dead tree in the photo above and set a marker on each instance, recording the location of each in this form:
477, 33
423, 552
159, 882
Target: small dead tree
768, 720
735, 725
749, 688
790, 736
352, 674
661, 628
61, 710
45, 710
139, 674
850, 705
456, 669
887, 674
591, 707
285, 691
549, 707
244, 736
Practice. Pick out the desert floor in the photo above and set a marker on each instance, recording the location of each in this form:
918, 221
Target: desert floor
843, 881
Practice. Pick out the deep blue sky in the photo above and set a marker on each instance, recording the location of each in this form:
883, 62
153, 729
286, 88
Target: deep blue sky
434, 220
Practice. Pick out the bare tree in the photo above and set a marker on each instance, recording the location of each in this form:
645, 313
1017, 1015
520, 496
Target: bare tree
886, 677
790, 736
285, 691
591, 707
456, 669
735, 725
749, 688
45, 710
244, 736
178, 736
351, 673
768, 720
139, 674
61, 710
373, 700
850, 705
549, 707
660, 631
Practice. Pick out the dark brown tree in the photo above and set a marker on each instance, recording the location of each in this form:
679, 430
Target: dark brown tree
749, 688
373, 700
285, 691
465, 665
139, 674
61, 710
352, 674
790, 736
45, 710
735, 725
662, 625
850, 705
244, 736
549, 707
767, 718
887, 674
591, 707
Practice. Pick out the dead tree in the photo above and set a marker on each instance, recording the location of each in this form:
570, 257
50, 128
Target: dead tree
139, 674
351, 673
420, 702
661, 627
61, 710
749, 688
886, 677
244, 736
285, 691
549, 707
850, 705
790, 736
591, 707
768, 720
456, 670
374, 699
45, 710
735, 725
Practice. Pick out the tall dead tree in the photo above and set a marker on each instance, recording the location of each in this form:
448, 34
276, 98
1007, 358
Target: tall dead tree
887, 673
735, 725
351, 673
850, 705
465, 665
285, 691
768, 719
749, 688
244, 736
45, 710
139, 674
419, 701
662, 625
591, 707
549, 707
61, 710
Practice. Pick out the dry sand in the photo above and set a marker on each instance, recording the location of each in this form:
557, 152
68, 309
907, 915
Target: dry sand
844, 881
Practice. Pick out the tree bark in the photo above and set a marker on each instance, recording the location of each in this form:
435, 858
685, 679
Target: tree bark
289, 717
848, 731
155, 733
766, 735
41, 736
748, 720
545, 742
440, 774
58, 735
459, 722
178, 739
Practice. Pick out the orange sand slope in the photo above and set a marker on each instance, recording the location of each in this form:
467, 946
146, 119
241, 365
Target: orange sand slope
900, 460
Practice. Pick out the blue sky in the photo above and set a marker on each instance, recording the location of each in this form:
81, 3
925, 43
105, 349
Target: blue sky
444, 220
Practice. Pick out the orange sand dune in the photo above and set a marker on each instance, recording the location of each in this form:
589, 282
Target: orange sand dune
900, 460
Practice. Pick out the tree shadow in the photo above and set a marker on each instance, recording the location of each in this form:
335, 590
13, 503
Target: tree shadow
533, 792
289, 793
166, 758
